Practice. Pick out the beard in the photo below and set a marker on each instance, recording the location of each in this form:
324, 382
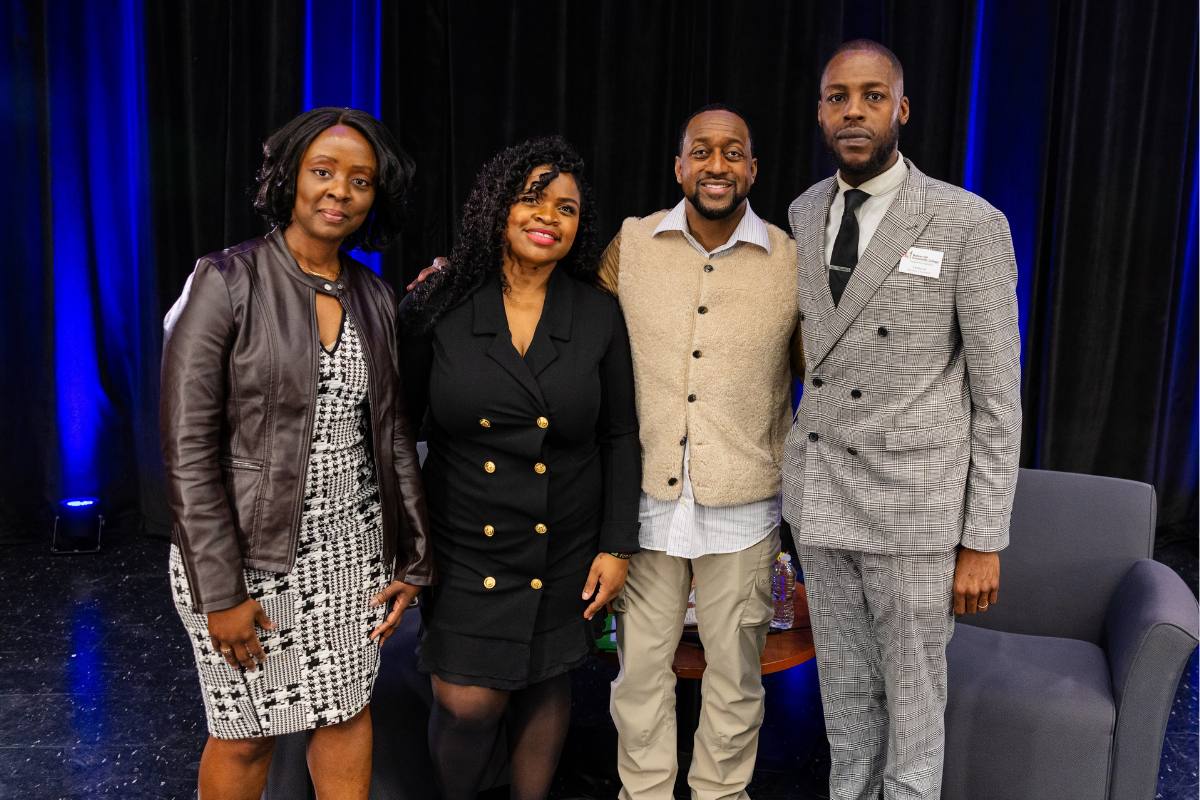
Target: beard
880, 154
720, 212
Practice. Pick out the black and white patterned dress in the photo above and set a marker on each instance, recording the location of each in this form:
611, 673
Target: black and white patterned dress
320, 666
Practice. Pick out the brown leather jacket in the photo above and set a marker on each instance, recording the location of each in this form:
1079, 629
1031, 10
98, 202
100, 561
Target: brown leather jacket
239, 385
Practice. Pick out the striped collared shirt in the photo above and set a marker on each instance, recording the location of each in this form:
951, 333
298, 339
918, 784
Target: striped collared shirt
683, 527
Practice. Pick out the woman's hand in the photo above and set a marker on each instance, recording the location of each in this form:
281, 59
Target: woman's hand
605, 581
439, 264
403, 594
233, 635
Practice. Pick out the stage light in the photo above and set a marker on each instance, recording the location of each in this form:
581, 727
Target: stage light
77, 526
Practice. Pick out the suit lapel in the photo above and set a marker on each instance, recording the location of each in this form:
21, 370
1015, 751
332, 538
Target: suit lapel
555, 323
812, 261
490, 320
899, 229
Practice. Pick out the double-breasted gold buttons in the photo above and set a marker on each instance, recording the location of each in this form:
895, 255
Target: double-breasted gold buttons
489, 582
542, 422
489, 530
536, 583
489, 467
539, 468
540, 528
484, 422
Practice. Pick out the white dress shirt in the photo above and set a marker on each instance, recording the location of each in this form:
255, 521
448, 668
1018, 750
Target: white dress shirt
882, 188
683, 527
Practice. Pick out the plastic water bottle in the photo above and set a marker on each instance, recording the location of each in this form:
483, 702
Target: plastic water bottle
783, 592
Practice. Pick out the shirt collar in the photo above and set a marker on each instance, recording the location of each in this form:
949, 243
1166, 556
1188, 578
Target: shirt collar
751, 230
887, 181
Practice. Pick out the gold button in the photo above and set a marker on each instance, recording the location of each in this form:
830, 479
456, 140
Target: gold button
535, 583
542, 422
539, 468
489, 530
540, 528
485, 423
489, 582
489, 467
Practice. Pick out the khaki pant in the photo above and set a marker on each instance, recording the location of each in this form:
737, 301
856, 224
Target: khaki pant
733, 610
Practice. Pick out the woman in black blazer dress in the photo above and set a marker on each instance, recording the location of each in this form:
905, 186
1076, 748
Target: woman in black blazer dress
534, 469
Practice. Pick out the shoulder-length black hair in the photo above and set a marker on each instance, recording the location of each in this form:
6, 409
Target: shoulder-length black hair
479, 249
275, 194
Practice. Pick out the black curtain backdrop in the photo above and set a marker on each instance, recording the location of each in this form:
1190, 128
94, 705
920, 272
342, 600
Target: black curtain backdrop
1087, 141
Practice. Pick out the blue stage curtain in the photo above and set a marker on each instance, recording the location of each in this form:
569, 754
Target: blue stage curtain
84, 225
1077, 118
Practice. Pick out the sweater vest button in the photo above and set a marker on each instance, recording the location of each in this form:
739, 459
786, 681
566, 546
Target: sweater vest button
691, 398
702, 310
708, 267
672, 481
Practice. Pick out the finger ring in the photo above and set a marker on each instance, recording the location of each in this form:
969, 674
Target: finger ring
983, 606
226, 651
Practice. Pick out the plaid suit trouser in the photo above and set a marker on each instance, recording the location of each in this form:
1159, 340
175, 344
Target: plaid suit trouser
881, 624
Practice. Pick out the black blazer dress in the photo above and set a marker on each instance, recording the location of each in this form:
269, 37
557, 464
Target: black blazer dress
534, 467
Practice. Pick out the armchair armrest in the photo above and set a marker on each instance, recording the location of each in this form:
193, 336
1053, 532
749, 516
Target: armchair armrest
1150, 631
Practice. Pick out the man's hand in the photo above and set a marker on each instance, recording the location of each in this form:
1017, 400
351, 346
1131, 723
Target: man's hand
402, 595
439, 264
976, 580
233, 635
604, 581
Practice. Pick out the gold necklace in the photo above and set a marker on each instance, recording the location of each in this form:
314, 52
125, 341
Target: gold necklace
323, 277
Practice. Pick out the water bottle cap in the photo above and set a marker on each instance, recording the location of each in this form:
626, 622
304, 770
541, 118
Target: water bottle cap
785, 557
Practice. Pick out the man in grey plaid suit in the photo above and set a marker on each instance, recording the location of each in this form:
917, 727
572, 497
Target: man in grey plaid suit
900, 467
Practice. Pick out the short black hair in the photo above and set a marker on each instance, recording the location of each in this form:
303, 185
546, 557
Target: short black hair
275, 191
872, 46
716, 107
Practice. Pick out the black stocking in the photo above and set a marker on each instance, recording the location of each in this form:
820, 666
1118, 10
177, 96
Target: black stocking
462, 734
538, 718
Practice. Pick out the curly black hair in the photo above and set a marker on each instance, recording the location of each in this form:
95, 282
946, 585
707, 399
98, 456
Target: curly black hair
275, 191
479, 249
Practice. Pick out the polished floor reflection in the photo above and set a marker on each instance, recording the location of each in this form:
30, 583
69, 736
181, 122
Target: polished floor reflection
98, 697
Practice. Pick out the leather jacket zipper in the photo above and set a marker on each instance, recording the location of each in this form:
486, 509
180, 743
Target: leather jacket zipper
241, 463
309, 421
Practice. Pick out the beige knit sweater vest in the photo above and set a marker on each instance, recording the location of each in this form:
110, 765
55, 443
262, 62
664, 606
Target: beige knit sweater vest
710, 360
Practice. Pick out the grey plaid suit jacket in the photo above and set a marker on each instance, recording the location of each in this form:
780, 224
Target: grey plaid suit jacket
907, 438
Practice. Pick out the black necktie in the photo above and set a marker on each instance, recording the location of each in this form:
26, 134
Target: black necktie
845, 246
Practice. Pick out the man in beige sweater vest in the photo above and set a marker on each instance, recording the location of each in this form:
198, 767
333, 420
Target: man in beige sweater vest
708, 292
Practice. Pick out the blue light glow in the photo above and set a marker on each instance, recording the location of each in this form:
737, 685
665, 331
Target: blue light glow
978, 105
359, 22
82, 502
99, 224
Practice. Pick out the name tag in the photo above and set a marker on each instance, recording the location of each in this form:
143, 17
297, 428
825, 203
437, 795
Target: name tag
919, 261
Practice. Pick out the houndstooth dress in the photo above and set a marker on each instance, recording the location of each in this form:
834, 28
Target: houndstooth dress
320, 665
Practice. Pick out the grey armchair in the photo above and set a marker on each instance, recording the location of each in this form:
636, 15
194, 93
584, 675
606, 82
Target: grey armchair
1063, 688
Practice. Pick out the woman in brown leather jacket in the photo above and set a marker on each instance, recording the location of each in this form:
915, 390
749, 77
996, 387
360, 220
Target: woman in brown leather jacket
291, 467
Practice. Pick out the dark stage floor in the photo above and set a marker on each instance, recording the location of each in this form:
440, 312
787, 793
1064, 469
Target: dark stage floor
98, 696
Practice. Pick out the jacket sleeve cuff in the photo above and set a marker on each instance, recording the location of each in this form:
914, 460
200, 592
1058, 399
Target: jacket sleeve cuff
221, 604
985, 541
619, 537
